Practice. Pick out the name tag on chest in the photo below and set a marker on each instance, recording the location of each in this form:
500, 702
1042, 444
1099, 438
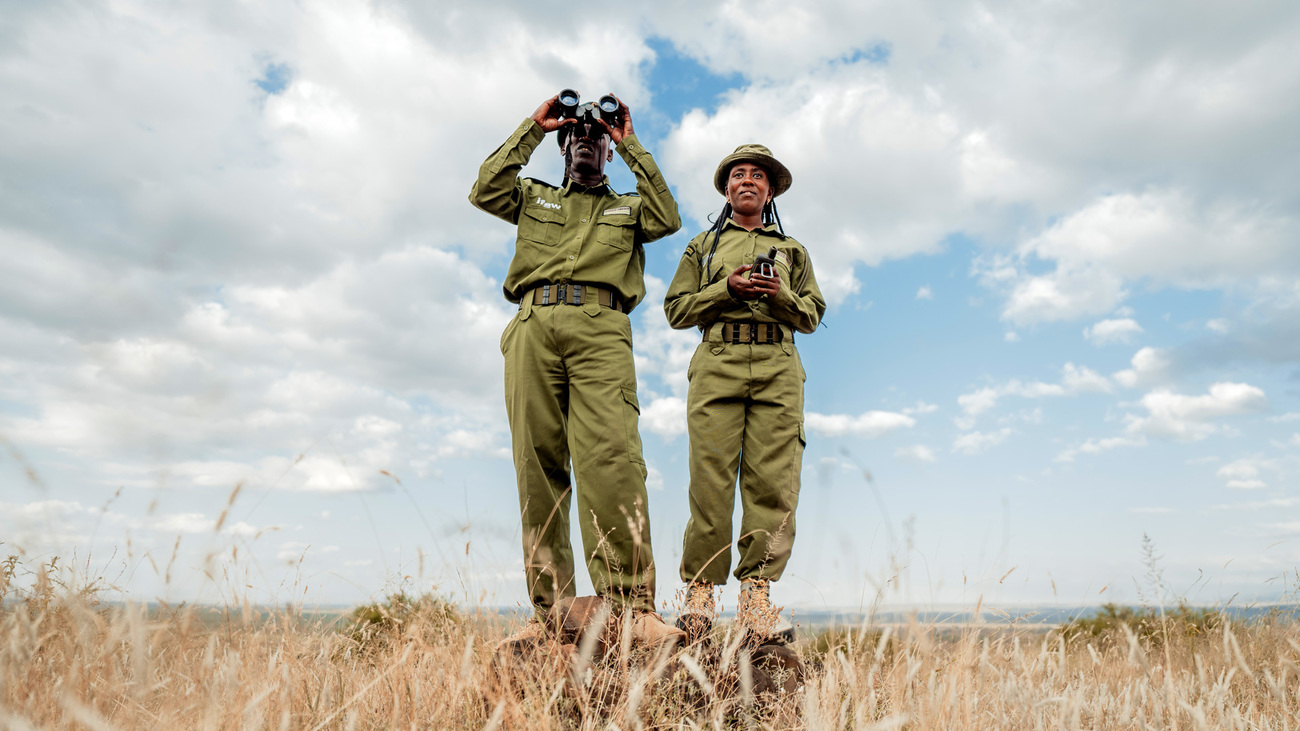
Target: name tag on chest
618, 211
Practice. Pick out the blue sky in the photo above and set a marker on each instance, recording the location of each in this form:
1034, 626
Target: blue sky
1059, 245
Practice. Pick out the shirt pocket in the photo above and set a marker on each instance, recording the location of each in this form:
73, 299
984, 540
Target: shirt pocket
616, 231
719, 267
542, 225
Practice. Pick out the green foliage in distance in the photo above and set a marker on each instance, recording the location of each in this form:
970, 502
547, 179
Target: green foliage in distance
1146, 623
374, 625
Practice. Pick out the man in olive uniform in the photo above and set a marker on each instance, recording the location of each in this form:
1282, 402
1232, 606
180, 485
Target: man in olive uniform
570, 382
744, 409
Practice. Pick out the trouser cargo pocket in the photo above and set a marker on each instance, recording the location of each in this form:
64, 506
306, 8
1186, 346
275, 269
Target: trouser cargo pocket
631, 412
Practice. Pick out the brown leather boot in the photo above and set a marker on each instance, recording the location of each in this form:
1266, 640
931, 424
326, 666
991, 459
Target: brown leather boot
527, 639
755, 613
649, 629
698, 611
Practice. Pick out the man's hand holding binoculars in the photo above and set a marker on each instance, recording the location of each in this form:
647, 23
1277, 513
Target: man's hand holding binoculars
563, 109
547, 116
618, 131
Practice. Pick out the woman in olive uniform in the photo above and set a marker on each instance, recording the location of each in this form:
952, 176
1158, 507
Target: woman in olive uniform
745, 404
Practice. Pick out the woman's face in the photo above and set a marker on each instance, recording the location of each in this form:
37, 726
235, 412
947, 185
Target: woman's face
748, 189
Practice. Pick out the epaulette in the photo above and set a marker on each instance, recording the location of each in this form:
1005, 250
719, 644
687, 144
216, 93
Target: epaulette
542, 182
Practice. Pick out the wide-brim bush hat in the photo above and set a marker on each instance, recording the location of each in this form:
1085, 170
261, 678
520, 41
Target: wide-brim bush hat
759, 155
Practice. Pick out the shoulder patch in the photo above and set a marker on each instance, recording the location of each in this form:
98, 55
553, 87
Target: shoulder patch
690, 251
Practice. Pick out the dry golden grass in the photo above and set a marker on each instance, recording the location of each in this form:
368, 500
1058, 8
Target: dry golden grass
68, 662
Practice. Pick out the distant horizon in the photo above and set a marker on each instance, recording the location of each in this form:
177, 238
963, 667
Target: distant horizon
886, 611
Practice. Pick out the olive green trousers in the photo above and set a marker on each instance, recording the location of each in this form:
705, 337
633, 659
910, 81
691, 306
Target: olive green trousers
744, 414
571, 398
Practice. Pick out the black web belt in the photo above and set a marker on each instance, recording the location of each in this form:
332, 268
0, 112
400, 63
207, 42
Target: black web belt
757, 333
572, 293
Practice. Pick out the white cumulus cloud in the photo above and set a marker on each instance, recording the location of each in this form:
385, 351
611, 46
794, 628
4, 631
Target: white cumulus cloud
1106, 332
182, 523
921, 407
1244, 473
976, 442
1098, 446
868, 425
1173, 415
1150, 365
1166, 235
1074, 380
665, 417
916, 453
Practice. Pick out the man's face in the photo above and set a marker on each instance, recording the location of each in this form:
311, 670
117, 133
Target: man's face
587, 150
748, 188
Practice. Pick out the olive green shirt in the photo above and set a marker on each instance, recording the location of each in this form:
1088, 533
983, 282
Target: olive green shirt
699, 298
572, 233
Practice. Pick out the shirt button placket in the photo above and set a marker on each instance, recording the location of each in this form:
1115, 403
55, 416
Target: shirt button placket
573, 257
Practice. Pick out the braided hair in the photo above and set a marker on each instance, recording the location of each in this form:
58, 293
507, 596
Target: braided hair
770, 216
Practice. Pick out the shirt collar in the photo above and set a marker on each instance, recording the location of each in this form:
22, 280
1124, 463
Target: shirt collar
771, 228
570, 186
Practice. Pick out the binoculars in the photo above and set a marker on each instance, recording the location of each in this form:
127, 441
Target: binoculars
606, 109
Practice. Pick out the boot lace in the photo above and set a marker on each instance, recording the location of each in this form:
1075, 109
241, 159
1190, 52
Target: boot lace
699, 598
